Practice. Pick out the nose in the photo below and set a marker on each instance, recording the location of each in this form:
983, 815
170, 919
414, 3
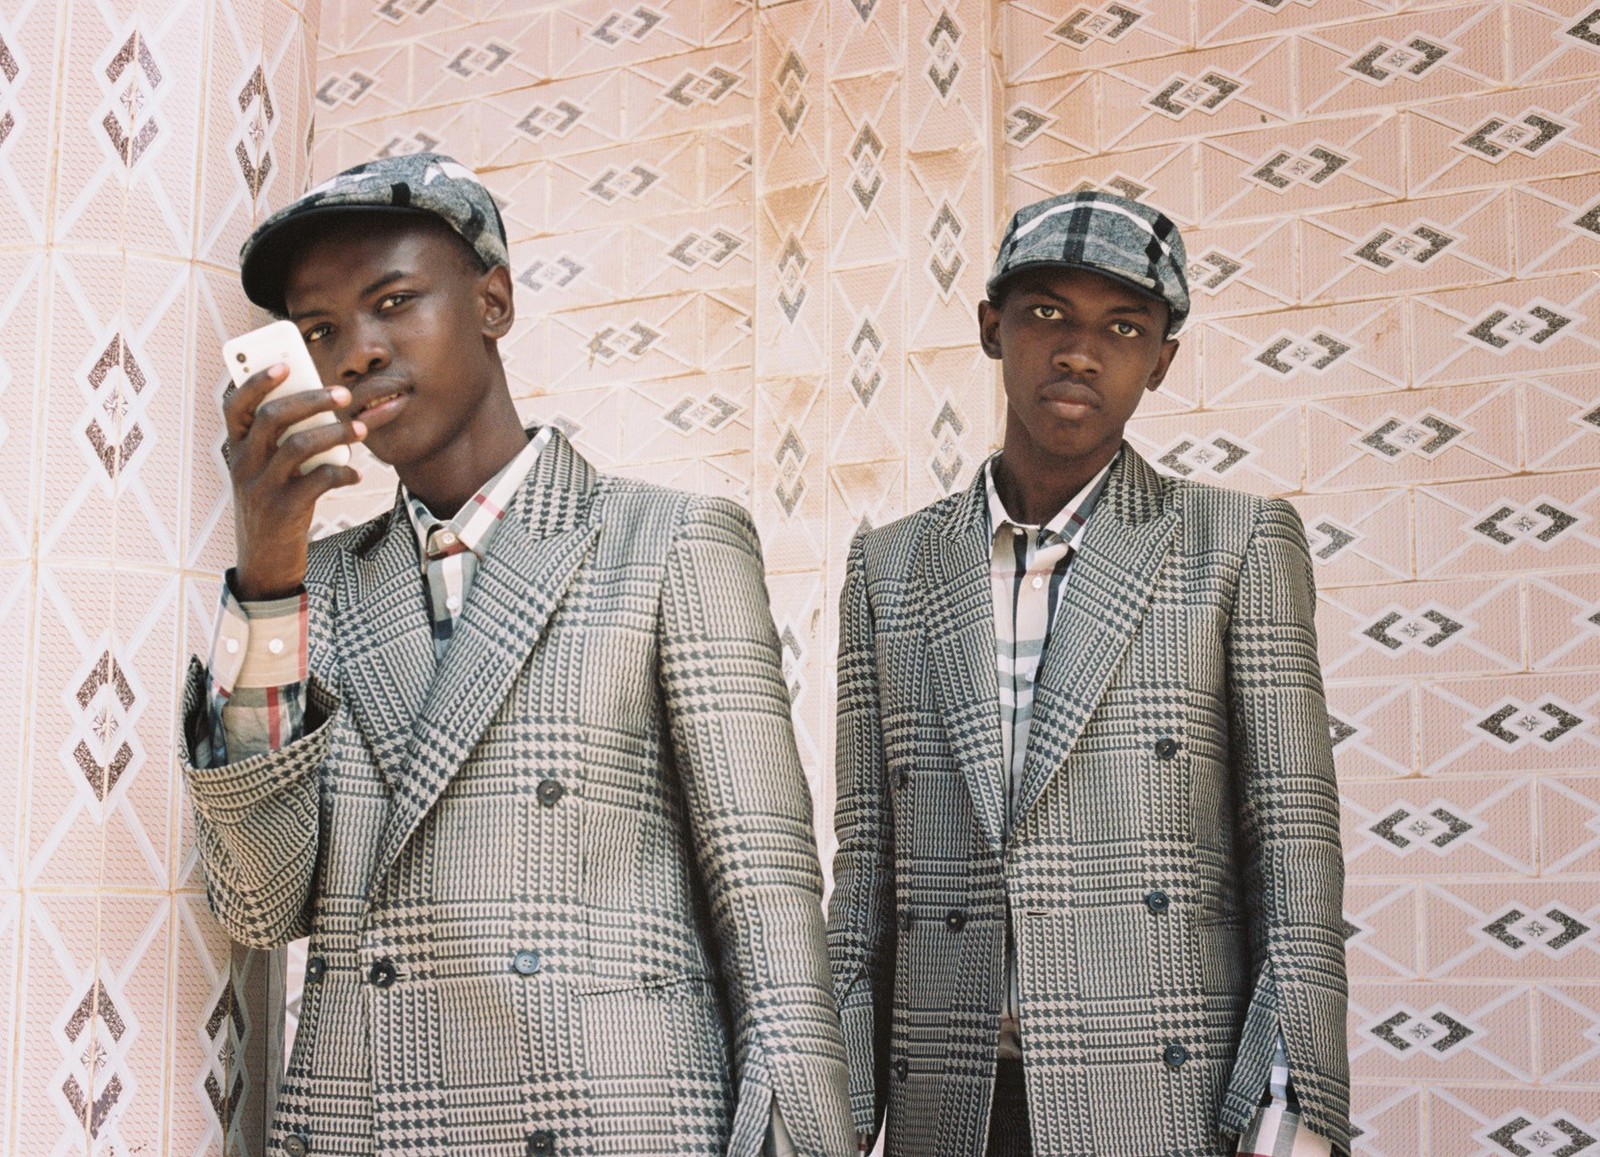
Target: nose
362, 351
1075, 353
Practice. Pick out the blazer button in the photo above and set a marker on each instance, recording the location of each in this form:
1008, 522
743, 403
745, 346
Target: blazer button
1166, 747
525, 963
902, 778
1157, 902
316, 969
905, 919
383, 973
956, 920
549, 792
295, 1145
541, 1144
1175, 1056
901, 1067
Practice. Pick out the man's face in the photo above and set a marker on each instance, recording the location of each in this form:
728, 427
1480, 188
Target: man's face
1077, 352
392, 308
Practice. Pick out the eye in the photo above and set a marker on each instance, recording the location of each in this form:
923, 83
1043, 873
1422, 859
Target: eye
1125, 329
315, 333
390, 300
1047, 312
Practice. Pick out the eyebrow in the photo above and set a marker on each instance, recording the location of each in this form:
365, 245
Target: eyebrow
1137, 306
368, 291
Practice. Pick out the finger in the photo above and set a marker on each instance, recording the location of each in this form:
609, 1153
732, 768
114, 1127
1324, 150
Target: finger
273, 419
239, 403
292, 453
328, 477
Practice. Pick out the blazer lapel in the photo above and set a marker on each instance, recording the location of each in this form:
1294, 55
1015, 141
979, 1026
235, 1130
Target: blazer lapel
961, 645
1108, 590
384, 633
532, 560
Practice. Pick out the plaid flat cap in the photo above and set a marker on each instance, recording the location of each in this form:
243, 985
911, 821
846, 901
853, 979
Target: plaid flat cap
416, 183
1110, 235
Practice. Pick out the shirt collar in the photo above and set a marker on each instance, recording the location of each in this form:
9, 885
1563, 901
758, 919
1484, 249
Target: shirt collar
1068, 522
475, 523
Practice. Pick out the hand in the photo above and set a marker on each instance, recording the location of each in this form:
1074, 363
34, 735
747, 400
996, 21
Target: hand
272, 501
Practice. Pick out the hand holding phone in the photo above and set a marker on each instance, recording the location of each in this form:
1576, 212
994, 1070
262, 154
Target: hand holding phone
287, 448
280, 343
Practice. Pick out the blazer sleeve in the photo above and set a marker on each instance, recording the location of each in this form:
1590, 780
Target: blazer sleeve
1291, 861
861, 928
749, 815
257, 821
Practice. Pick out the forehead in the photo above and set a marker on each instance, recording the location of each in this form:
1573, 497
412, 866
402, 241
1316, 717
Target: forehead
1084, 288
337, 244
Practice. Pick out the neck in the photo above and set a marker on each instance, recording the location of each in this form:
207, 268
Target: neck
445, 484
1036, 486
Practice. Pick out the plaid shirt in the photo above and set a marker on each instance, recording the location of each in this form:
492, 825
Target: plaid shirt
1028, 568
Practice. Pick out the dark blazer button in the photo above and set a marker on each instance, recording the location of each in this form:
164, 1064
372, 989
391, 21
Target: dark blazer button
383, 973
549, 792
1175, 1056
1157, 901
1166, 747
902, 778
295, 1145
905, 919
541, 1144
956, 920
901, 1067
525, 963
316, 969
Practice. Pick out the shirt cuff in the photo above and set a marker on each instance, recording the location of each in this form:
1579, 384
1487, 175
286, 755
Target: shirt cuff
258, 644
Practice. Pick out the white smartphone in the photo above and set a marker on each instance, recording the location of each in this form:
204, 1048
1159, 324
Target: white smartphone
281, 344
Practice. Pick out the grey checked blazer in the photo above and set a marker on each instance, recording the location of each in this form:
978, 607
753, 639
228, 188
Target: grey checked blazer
582, 841
1174, 877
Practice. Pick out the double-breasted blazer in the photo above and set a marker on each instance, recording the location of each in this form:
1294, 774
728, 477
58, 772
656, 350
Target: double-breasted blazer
562, 888
1173, 877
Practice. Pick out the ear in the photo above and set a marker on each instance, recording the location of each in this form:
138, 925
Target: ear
1169, 350
499, 309
989, 329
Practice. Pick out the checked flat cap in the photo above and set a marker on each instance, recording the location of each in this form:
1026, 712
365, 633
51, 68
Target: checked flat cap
1106, 234
418, 183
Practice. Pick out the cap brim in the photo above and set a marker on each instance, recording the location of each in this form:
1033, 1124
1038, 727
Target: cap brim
272, 252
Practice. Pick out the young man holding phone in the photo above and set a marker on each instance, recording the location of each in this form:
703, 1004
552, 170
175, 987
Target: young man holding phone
1087, 898
516, 754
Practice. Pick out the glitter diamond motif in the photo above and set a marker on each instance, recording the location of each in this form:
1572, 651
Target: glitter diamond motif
1288, 354
864, 9
105, 703
472, 60
1497, 138
1587, 219
1382, 62
945, 260
1327, 538
1514, 723
94, 1080
1398, 631
1539, 523
397, 10
947, 463
1216, 455
1519, 930
789, 644
113, 377
556, 119
944, 65
708, 87
792, 263
557, 274
1587, 30
135, 79
1110, 23
257, 116
417, 142
634, 25
866, 350
1505, 328
710, 414
866, 178
1024, 123
1556, 1136
1426, 436
1181, 96
1435, 1032
225, 1029
632, 343
715, 248
1393, 248
1213, 271
631, 183
1339, 731
790, 81
791, 459
1435, 827
10, 68
1313, 166
347, 89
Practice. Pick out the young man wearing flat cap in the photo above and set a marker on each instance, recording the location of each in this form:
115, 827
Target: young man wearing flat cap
516, 754
1087, 895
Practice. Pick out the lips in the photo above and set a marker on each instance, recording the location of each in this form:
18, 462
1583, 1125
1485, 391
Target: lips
1069, 394
377, 402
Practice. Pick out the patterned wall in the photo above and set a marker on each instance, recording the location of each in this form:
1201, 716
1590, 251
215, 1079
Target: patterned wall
138, 141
